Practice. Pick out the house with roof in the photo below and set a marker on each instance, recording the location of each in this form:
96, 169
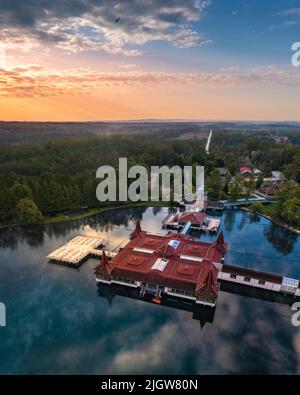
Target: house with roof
172, 264
196, 218
280, 139
223, 171
246, 171
271, 190
256, 171
277, 176
177, 220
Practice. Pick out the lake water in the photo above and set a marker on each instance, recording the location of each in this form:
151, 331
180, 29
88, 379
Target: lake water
57, 322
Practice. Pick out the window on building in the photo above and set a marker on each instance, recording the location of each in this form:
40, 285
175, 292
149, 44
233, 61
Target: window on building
233, 276
247, 279
261, 282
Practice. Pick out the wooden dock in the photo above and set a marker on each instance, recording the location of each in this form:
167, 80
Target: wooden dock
98, 254
77, 250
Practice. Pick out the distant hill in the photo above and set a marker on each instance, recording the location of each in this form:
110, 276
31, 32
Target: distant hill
36, 132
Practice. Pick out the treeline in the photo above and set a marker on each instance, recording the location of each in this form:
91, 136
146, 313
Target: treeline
15, 133
234, 150
287, 206
56, 176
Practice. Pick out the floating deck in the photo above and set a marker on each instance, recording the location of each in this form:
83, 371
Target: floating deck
77, 250
213, 225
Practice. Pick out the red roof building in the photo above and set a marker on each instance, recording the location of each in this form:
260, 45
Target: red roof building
196, 218
272, 189
246, 171
173, 264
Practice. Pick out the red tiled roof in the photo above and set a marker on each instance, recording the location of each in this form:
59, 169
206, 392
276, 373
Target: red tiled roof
245, 170
103, 266
272, 189
137, 230
207, 282
196, 218
184, 269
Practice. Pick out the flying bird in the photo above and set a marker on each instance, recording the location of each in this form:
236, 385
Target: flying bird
117, 20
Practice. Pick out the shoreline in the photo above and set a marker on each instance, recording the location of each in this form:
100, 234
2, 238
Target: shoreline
60, 218
274, 221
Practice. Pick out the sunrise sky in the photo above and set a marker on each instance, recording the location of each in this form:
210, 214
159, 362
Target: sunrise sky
78, 60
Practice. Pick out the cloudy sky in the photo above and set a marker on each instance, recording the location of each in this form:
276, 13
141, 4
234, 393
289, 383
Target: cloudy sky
148, 59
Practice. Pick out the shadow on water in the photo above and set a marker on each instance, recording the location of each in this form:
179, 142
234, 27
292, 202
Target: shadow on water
260, 294
200, 313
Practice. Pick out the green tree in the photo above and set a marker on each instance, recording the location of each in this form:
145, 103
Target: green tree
236, 187
249, 185
292, 171
20, 191
257, 207
291, 211
228, 177
28, 211
219, 162
290, 191
214, 184
6, 204
259, 181
226, 188
288, 203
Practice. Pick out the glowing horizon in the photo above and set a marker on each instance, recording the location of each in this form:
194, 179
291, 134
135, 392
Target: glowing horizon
78, 62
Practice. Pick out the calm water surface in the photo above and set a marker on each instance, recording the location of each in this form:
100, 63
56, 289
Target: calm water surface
58, 323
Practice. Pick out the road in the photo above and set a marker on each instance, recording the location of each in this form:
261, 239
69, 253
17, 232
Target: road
208, 142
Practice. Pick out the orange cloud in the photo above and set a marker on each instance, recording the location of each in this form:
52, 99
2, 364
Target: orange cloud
35, 81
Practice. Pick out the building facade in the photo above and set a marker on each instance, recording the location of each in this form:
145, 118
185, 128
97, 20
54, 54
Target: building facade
172, 264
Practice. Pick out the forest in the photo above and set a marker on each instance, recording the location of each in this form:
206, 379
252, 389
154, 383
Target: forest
55, 176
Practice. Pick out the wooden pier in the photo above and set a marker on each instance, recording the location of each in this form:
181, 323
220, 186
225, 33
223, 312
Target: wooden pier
77, 250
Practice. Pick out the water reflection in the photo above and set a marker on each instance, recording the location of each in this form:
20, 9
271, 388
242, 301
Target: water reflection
253, 218
103, 222
200, 313
229, 220
156, 210
58, 323
282, 239
260, 294
242, 222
